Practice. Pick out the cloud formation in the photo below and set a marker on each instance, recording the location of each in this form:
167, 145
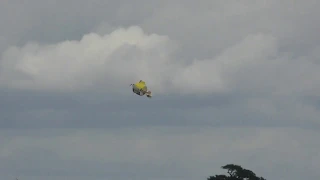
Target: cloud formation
234, 82
111, 61
174, 55
95, 61
182, 153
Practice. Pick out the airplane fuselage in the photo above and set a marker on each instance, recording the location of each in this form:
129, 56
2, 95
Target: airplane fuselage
137, 90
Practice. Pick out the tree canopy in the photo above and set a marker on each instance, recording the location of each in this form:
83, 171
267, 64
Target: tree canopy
236, 172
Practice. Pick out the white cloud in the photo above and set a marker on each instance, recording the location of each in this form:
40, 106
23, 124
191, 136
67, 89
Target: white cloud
110, 62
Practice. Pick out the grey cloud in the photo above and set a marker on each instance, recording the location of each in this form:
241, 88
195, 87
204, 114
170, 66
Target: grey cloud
44, 110
50, 22
205, 29
156, 152
87, 110
211, 25
271, 81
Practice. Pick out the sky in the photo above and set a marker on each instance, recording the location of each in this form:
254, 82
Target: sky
233, 82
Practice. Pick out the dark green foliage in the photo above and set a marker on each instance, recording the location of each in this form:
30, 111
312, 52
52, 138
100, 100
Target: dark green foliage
236, 172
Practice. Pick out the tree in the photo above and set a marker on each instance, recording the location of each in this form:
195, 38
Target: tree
236, 172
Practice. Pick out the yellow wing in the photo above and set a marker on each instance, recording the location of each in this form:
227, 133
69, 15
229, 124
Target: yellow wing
141, 85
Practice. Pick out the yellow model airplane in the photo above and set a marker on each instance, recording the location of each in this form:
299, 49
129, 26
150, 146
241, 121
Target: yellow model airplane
141, 89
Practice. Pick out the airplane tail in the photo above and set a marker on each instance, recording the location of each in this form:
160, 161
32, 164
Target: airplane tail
149, 94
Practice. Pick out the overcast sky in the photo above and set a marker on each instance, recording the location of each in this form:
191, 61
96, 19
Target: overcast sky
233, 82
